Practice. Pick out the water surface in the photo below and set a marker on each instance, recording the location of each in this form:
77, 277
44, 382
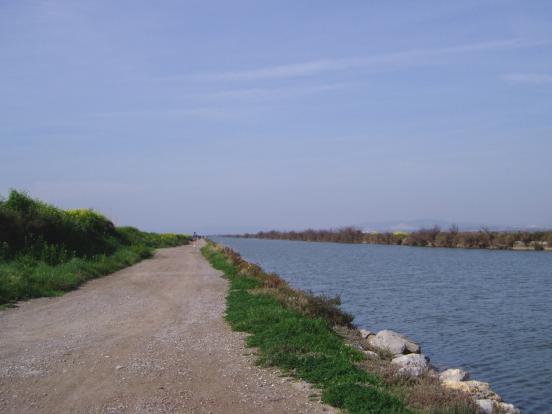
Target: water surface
489, 312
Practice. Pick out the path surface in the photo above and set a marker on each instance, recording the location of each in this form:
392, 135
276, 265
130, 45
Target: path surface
150, 338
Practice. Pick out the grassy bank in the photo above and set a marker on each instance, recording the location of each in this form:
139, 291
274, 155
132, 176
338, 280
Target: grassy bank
297, 332
45, 251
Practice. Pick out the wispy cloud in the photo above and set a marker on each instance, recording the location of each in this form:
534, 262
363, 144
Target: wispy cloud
408, 57
263, 94
284, 71
532, 78
200, 112
214, 105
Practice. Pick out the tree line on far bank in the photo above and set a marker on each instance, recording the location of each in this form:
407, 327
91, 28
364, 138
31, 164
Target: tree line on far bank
430, 237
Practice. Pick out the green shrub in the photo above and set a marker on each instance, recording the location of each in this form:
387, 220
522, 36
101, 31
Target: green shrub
45, 251
29, 226
131, 235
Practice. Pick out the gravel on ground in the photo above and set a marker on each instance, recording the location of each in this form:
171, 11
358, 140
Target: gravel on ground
147, 339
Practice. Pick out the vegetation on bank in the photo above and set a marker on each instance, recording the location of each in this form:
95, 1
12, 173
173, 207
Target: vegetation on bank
45, 250
433, 237
298, 332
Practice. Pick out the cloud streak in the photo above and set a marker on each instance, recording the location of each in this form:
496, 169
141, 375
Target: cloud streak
409, 57
263, 94
527, 78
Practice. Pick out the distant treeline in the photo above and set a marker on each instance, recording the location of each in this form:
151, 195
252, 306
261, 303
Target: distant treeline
432, 237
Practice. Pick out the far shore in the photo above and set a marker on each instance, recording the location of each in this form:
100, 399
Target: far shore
434, 237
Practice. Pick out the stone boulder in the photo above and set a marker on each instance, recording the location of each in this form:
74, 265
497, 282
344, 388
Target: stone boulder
508, 408
485, 406
365, 333
394, 342
412, 365
454, 374
478, 389
371, 355
488, 406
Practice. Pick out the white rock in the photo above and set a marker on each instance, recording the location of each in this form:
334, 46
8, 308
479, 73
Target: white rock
365, 333
412, 365
485, 406
454, 374
478, 389
394, 342
508, 408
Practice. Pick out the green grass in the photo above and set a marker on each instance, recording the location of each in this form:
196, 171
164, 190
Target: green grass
45, 250
303, 346
26, 277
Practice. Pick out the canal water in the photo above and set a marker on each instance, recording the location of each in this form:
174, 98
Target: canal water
489, 312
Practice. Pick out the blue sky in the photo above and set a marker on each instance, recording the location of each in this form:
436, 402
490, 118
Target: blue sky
245, 115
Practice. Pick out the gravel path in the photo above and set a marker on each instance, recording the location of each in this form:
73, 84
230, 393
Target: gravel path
150, 338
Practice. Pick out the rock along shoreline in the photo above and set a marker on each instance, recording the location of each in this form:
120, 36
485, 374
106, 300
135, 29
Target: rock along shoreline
406, 355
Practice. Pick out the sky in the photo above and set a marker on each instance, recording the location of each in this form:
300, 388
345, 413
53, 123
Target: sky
218, 116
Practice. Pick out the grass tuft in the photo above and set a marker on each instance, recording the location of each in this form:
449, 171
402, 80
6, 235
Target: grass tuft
359, 398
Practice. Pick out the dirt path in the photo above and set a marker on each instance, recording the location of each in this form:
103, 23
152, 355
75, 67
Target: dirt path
150, 338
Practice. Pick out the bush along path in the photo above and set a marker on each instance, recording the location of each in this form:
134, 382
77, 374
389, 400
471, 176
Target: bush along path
45, 251
311, 338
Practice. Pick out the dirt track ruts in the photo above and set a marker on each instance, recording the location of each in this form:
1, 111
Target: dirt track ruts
149, 338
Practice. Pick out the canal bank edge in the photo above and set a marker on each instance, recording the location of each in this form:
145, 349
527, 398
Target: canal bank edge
392, 358
411, 363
